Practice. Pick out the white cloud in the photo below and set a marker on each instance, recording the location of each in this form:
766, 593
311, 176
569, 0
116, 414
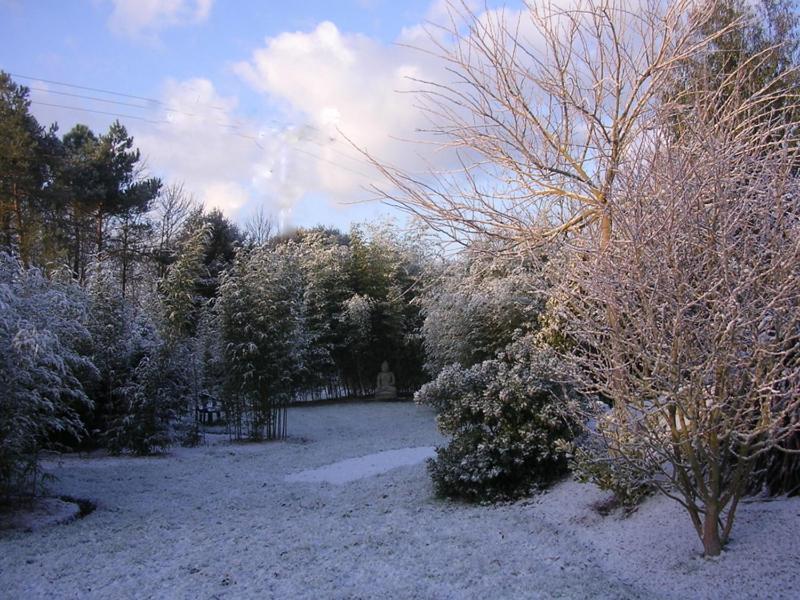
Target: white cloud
202, 143
225, 160
228, 196
350, 86
145, 18
349, 83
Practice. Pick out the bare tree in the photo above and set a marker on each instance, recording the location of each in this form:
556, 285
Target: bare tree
702, 277
172, 207
543, 108
260, 227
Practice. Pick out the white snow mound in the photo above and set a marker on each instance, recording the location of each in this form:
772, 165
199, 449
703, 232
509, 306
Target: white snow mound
353, 469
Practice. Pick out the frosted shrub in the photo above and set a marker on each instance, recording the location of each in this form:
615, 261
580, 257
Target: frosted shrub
510, 422
692, 316
143, 377
42, 363
592, 462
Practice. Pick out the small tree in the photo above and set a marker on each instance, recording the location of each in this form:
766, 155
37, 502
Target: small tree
179, 287
689, 319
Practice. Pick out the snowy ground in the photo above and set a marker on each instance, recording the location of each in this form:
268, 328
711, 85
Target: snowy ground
277, 520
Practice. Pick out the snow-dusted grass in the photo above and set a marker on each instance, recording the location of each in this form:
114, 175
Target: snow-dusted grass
222, 521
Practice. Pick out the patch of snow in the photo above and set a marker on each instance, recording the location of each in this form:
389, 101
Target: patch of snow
221, 521
352, 469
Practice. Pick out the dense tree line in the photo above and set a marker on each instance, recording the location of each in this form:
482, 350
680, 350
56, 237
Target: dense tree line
68, 199
125, 305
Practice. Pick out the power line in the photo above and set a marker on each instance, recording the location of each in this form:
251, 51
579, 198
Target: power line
161, 104
241, 135
84, 87
96, 98
117, 102
99, 112
130, 104
167, 108
100, 90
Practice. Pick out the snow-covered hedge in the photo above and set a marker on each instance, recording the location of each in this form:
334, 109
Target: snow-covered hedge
511, 423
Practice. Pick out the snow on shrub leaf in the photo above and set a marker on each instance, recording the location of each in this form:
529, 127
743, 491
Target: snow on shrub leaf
508, 419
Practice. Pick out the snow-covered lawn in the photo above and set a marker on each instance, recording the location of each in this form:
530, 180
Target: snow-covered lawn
283, 520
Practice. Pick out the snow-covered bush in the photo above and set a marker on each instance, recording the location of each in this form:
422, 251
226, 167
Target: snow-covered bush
473, 306
43, 345
511, 423
143, 380
592, 462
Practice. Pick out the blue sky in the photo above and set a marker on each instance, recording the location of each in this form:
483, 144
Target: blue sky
248, 98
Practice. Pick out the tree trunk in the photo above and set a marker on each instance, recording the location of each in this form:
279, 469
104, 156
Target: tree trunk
605, 230
124, 259
76, 259
98, 231
712, 545
22, 236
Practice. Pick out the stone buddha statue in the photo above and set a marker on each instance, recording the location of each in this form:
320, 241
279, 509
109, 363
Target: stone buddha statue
385, 387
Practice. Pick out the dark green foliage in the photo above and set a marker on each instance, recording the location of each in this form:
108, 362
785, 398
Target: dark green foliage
510, 420
358, 308
765, 42
754, 54
100, 195
73, 199
778, 471
385, 270
147, 405
223, 239
181, 287
28, 157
